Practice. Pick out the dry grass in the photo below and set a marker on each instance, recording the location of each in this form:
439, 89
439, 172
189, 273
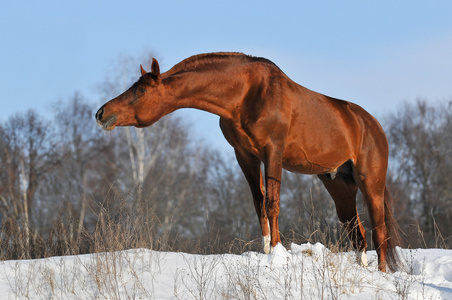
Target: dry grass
112, 273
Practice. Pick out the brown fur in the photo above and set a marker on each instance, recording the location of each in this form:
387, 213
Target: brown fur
269, 118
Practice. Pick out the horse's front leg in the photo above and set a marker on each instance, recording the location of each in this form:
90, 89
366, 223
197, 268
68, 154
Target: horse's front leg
250, 166
273, 171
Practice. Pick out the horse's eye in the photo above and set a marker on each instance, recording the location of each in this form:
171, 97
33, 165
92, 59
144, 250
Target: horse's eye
142, 90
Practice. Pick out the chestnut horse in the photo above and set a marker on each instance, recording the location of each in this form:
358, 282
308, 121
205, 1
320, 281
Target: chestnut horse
269, 118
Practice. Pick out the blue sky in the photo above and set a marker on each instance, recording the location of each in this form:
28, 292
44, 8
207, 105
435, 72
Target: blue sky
377, 54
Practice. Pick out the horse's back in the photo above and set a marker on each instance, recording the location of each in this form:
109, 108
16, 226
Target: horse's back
326, 132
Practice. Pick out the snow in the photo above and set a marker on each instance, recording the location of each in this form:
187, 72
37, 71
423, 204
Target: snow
307, 271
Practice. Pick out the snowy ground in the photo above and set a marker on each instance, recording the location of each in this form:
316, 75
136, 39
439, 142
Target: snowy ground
305, 272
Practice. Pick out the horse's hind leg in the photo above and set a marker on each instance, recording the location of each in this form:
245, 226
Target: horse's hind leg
250, 166
372, 186
343, 191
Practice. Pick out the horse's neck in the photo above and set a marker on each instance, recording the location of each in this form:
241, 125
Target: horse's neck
209, 92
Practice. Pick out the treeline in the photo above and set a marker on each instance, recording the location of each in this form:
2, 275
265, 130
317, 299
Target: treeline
420, 174
66, 187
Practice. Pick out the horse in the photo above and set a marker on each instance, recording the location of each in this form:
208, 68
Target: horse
268, 118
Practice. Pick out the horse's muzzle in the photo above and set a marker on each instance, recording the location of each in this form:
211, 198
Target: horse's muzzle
108, 123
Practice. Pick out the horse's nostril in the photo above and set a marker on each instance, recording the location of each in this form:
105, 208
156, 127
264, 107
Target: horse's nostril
99, 114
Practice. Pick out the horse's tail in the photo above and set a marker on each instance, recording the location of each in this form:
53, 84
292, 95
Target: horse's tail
394, 261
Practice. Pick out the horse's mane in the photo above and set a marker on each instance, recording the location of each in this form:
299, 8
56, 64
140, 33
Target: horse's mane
200, 60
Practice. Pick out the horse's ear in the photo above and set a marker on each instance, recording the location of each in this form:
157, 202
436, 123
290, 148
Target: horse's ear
155, 69
143, 71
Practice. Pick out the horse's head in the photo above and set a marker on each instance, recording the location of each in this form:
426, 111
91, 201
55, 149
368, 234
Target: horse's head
139, 106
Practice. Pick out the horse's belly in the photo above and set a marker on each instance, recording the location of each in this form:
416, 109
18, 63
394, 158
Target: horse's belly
314, 162
306, 168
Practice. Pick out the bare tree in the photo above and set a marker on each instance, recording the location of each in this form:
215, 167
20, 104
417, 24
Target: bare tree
421, 159
167, 171
26, 145
120, 77
230, 212
310, 214
82, 149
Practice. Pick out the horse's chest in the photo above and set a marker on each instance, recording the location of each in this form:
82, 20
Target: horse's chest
241, 139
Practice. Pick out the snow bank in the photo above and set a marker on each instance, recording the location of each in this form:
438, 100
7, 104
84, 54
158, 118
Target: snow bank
308, 271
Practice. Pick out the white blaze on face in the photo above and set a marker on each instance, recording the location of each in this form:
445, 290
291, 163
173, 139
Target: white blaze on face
266, 241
